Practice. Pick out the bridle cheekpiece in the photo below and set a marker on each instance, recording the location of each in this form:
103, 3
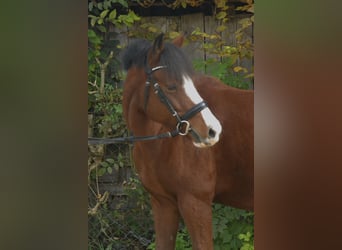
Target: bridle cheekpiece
183, 125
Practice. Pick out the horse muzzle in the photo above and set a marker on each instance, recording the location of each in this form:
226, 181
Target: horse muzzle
213, 136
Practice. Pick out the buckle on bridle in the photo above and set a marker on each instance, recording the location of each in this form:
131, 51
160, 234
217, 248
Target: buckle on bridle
183, 127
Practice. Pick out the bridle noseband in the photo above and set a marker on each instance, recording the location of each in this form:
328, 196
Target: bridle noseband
183, 126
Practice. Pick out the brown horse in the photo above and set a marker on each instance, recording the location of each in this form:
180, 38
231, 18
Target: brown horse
211, 159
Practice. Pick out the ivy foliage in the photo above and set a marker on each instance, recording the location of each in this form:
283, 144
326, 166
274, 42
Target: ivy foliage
233, 228
223, 70
224, 54
103, 48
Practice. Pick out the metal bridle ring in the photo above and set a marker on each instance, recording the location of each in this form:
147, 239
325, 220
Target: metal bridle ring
187, 127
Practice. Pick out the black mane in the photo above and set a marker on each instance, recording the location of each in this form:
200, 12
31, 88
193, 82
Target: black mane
173, 57
135, 54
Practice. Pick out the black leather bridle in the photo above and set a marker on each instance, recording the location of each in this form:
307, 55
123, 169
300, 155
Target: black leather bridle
183, 126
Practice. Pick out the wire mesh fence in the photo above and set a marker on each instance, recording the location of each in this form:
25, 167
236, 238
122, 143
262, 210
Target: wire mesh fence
119, 214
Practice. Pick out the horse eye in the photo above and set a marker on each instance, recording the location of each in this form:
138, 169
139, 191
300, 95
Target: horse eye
172, 88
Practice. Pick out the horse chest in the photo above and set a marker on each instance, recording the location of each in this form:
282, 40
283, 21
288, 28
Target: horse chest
175, 172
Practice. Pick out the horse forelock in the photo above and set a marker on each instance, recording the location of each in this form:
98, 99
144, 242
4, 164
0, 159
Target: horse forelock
177, 63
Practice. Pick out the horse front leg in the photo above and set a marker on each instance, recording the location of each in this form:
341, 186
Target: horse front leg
166, 219
197, 215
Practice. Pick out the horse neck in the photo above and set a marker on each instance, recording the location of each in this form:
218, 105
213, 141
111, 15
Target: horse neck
133, 101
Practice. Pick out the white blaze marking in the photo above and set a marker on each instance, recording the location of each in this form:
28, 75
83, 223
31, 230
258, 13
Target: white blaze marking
208, 117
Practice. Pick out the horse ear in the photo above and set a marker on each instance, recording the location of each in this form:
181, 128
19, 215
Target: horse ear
157, 48
178, 41
158, 44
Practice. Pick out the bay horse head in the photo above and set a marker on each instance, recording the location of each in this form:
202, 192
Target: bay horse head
170, 96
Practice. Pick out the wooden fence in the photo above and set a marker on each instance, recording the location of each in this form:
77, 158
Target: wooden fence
187, 24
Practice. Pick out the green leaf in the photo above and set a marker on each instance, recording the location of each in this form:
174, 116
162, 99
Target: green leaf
220, 3
104, 13
221, 15
239, 68
221, 28
91, 6
104, 164
93, 21
133, 16
152, 29
116, 166
94, 40
173, 34
106, 5
109, 170
110, 160
123, 3
112, 14
101, 171
100, 21
91, 34
102, 28
249, 75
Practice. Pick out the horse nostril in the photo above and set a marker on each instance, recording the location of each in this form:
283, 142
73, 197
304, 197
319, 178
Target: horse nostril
211, 133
